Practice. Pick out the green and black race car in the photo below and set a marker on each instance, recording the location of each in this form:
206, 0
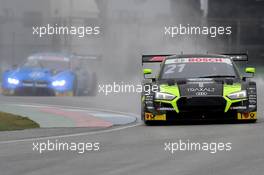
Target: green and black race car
198, 87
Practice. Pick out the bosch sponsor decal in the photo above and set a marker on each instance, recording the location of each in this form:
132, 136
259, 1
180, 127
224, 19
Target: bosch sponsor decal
199, 60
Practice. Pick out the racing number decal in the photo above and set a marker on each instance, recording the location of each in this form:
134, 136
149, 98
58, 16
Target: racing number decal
172, 67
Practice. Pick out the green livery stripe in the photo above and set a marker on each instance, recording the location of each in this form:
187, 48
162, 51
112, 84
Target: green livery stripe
171, 90
229, 89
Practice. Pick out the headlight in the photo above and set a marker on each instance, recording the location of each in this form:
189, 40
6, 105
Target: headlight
238, 95
164, 96
59, 83
13, 81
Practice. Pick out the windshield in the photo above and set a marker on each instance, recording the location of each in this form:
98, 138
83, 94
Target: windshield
180, 68
54, 64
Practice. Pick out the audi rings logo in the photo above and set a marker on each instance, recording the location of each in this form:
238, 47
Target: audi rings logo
201, 93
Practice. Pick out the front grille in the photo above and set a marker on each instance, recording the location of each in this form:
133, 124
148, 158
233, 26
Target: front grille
41, 84
37, 84
27, 81
201, 104
34, 91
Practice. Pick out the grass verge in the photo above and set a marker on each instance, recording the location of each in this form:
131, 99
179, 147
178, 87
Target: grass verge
9, 122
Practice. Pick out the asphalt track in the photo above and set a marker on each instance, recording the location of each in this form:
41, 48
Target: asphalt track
135, 148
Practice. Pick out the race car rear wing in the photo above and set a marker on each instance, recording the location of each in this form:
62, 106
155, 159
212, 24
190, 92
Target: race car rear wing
147, 61
86, 57
160, 58
154, 58
238, 57
153, 62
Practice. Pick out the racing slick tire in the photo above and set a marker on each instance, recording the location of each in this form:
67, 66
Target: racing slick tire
93, 90
75, 87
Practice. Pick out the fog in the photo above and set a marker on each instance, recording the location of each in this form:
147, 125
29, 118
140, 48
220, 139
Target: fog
128, 29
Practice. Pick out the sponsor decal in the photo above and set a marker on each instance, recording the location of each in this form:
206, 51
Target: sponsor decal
201, 89
239, 107
247, 116
150, 116
165, 109
199, 60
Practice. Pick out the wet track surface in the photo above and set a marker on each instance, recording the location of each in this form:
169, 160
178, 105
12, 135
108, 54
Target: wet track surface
136, 149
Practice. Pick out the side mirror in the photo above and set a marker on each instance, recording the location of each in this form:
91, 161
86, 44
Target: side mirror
249, 70
147, 71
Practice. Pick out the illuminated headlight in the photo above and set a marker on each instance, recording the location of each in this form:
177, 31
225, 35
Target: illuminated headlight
238, 95
164, 96
59, 83
13, 81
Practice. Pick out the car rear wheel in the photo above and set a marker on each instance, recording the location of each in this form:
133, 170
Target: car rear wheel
75, 88
94, 84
